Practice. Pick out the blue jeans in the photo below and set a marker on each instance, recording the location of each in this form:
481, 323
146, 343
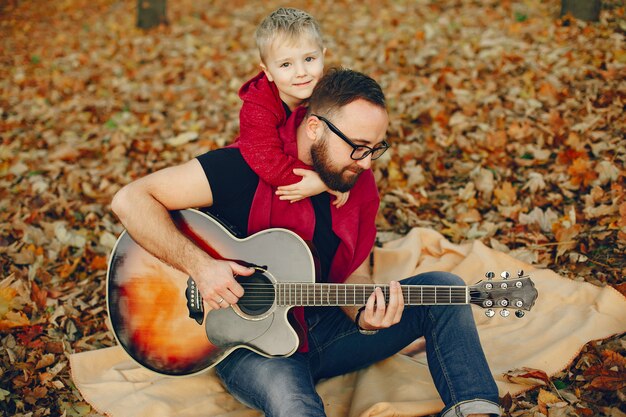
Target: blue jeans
286, 386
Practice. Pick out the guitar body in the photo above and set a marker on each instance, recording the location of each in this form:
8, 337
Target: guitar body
149, 309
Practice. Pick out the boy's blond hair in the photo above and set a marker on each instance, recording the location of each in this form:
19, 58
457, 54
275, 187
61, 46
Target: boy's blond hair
289, 23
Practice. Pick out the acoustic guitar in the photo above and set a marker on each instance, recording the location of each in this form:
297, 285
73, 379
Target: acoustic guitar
157, 314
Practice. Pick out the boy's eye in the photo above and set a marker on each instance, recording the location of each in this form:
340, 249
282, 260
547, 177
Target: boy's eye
309, 59
284, 65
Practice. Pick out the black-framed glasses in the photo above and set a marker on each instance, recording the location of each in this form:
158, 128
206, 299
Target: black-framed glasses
358, 151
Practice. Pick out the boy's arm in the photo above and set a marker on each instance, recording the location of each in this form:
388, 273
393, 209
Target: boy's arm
262, 148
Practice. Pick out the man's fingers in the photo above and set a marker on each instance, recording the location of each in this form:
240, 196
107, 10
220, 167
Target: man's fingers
400, 309
396, 304
379, 313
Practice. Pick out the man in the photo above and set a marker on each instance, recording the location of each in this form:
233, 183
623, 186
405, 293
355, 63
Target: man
339, 134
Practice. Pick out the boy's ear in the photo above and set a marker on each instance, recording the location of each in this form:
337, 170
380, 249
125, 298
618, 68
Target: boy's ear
267, 73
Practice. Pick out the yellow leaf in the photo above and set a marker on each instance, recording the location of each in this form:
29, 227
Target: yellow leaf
6, 296
546, 397
14, 319
506, 194
45, 361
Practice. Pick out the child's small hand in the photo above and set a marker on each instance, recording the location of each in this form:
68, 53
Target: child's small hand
310, 185
341, 198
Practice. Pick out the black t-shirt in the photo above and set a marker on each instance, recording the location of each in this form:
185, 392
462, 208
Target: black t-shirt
233, 185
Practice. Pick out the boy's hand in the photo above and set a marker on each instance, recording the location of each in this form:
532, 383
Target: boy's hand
341, 198
310, 185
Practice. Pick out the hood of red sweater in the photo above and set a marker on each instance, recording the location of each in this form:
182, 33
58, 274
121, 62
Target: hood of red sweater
259, 90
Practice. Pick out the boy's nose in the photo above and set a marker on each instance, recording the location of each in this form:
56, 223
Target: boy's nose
300, 70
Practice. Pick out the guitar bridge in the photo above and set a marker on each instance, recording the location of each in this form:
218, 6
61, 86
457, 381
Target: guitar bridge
194, 301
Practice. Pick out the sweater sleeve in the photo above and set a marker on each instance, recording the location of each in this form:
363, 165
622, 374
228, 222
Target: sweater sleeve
262, 147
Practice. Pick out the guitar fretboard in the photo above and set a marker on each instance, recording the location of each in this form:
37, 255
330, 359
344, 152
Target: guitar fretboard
315, 294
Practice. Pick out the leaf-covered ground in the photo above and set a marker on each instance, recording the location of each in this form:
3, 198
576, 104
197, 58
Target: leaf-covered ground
507, 125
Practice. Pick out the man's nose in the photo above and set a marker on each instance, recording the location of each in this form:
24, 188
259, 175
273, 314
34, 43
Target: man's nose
366, 162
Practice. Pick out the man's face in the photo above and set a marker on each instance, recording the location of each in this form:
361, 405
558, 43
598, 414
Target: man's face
364, 124
295, 68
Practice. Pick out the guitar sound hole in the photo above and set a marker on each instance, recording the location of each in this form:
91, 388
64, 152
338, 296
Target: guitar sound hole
259, 294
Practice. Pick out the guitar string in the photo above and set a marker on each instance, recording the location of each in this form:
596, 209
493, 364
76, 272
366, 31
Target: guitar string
265, 293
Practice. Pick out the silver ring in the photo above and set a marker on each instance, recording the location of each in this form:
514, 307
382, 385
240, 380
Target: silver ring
220, 301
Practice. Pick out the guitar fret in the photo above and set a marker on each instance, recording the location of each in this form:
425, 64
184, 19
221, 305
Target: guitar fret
328, 294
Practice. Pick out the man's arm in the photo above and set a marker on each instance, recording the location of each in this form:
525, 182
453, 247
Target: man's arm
377, 314
142, 206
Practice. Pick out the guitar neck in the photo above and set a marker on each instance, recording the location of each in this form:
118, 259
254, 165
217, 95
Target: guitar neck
315, 294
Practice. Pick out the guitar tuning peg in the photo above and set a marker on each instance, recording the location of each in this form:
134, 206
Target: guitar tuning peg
519, 314
504, 312
490, 275
505, 275
520, 273
490, 313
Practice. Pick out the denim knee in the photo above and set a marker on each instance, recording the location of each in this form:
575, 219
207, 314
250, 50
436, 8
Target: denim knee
434, 278
289, 395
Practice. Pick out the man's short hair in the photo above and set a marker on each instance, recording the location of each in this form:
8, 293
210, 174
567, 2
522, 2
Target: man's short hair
289, 23
341, 86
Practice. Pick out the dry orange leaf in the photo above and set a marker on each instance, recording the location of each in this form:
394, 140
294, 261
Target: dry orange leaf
527, 376
548, 93
506, 194
615, 381
45, 361
6, 296
38, 295
566, 237
67, 269
582, 172
14, 319
612, 358
98, 263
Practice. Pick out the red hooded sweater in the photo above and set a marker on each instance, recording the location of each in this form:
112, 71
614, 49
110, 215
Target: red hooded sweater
261, 114
354, 223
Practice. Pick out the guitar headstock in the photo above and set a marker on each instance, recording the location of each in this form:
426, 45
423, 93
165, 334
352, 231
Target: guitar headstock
516, 293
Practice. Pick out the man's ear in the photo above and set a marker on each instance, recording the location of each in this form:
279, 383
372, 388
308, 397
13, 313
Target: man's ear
314, 128
267, 73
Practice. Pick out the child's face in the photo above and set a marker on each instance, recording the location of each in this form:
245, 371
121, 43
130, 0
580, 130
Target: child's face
295, 68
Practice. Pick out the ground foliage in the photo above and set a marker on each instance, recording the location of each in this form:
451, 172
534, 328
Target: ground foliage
506, 125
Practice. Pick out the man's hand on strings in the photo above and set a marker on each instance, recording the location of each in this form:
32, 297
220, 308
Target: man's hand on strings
378, 314
217, 284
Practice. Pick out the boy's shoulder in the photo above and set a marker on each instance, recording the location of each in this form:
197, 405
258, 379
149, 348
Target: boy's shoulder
260, 90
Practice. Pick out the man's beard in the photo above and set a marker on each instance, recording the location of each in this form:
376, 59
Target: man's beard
322, 165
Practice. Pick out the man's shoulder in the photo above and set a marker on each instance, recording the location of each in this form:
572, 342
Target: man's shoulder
226, 159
